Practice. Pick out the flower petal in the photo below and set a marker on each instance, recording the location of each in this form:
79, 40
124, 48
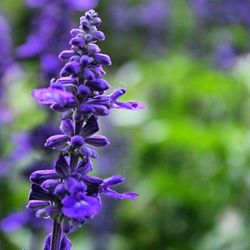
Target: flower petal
124, 196
90, 128
52, 96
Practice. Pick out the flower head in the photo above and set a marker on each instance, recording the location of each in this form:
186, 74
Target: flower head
67, 193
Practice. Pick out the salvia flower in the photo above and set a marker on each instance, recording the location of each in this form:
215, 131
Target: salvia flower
67, 194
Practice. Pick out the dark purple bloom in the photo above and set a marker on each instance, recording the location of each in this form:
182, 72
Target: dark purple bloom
78, 205
77, 193
67, 194
66, 141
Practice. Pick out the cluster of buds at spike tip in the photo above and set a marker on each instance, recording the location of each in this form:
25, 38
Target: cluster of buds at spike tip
67, 193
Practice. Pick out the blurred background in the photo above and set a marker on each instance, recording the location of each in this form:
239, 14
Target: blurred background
187, 153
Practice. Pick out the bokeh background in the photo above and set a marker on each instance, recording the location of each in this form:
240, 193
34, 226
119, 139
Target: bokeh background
187, 153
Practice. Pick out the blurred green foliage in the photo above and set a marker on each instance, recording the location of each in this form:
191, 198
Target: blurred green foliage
192, 158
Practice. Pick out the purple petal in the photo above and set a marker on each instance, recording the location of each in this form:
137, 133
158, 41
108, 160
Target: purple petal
60, 190
99, 35
50, 184
69, 201
67, 225
57, 141
87, 108
124, 196
117, 93
70, 68
66, 54
89, 152
113, 180
76, 141
97, 140
103, 59
40, 176
83, 209
128, 105
62, 167
83, 90
47, 242
53, 96
65, 244
38, 193
84, 166
37, 204
100, 110
88, 74
69, 182
67, 127
90, 128
98, 85
79, 187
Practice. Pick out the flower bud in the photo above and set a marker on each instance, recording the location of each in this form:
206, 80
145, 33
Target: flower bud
66, 54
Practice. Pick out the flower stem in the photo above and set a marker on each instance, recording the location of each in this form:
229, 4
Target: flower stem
56, 236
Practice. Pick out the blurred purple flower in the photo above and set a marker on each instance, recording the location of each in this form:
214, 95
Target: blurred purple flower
223, 12
151, 15
23, 219
5, 47
225, 56
50, 31
5, 62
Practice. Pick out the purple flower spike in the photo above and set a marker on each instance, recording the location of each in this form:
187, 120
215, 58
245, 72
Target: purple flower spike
68, 194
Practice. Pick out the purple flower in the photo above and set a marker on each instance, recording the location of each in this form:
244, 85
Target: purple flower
77, 193
68, 194
79, 206
80, 142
